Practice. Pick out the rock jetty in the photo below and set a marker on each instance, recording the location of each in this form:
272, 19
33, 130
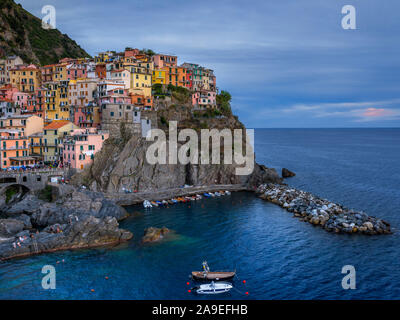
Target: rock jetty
320, 212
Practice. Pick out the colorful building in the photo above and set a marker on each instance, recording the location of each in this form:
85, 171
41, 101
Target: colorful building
10, 63
80, 146
14, 149
26, 78
53, 134
36, 145
204, 99
164, 60
28, 124
159, 76
140, 81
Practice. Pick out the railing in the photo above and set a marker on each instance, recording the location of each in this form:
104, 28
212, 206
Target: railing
15, 148
10, 172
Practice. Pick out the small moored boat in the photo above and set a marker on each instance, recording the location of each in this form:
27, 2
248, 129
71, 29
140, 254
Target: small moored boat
206, 274
147, 204
213, 288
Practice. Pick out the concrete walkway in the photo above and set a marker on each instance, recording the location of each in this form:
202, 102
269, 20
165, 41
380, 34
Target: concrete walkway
126, 199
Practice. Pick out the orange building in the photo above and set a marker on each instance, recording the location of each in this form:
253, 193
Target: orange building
101, 71
14, 148
142, 101
176, 76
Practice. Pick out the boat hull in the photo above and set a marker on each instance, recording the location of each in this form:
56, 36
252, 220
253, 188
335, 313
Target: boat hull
213, 288
216, 276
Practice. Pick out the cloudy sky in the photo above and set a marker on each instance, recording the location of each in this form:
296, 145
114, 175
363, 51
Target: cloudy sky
287, 63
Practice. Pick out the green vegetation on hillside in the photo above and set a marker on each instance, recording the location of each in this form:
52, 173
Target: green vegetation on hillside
27, 39
224, 102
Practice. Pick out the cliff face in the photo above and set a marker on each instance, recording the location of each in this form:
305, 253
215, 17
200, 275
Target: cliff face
123, 164
22, 34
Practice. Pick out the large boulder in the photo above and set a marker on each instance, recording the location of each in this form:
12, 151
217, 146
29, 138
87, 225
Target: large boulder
154, 234
286, 173
10, 227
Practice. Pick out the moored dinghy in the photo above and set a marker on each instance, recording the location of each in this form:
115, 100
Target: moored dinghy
206, 274
147, 204
213, 288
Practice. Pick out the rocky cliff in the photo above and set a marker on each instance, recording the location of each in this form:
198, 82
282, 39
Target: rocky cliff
122, 163
21, 33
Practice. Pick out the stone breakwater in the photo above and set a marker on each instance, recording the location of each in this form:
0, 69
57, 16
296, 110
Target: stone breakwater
320, 212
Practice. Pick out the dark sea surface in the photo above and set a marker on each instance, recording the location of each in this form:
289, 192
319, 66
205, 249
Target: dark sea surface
279, 256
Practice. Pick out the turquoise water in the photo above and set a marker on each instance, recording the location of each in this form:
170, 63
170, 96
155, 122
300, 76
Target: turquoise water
278, 256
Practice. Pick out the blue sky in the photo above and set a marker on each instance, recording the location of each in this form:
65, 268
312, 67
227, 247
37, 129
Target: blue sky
287, 63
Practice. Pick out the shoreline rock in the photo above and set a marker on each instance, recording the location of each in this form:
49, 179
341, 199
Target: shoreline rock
76, 219
154, 234
286, 173
330, 216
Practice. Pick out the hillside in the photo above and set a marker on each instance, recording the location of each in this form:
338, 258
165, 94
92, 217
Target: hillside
21, 33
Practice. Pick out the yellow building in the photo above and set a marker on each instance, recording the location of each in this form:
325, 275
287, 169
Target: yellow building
53, 135
60, 72
26, 78
56, 101
103, 57
36, 145
63, 106
51, 100
140, 81
158, 76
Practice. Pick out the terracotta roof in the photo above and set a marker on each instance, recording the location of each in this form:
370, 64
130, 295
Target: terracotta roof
56, 124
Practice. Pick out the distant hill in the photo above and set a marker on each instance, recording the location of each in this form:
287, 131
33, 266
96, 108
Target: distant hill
21, 33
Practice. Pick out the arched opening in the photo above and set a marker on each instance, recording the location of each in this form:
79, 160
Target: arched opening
15, 193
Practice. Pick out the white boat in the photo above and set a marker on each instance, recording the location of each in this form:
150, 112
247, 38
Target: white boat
227, 192
147, 204
213, 288
217, 194
211, 194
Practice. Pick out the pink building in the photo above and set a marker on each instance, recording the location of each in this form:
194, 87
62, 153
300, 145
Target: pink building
21, 99
204, 99
116, 96
164, 60
81, 145
7, 91
76, 71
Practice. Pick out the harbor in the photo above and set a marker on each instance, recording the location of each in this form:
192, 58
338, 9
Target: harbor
132, 198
